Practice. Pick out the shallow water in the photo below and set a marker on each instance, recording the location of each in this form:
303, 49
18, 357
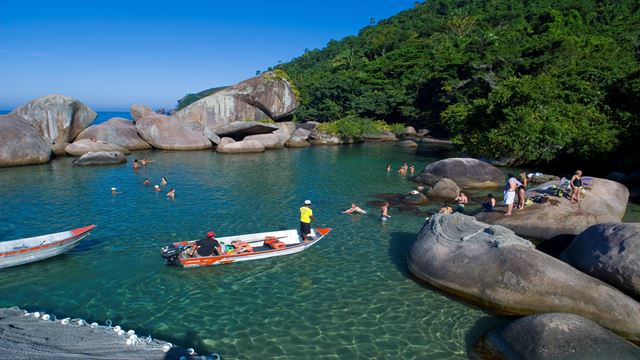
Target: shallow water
350, 296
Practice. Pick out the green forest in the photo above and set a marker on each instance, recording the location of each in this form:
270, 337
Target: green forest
526, 81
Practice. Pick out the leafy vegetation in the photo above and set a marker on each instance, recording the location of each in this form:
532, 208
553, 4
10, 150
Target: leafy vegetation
191, 98
354, 127
531, 81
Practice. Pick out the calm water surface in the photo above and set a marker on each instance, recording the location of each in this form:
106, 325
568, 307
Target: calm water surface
350, 296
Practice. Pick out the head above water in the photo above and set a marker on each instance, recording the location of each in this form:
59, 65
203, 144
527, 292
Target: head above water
307, 202
113, 189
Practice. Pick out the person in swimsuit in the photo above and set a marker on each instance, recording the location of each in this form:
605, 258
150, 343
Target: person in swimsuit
489, 203
384, 211
389, 168
522, 189
354, 208
171, 194
461, 202
576, 186
510, 192
136, 164
446, 209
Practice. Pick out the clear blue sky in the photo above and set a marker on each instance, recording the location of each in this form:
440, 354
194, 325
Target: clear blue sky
111, 53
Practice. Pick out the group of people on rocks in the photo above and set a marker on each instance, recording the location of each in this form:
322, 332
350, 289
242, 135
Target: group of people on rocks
156, 188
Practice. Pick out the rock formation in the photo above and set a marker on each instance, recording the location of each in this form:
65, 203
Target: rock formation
493, 268
239, 129
138, 111
609, 252
170, 133
269, 141
101, 158
117, 131
466, 172
81, 147
21, 143
407, 144
443, 189
240, 147
57, 118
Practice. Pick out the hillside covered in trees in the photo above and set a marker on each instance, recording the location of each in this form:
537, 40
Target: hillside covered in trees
531, 81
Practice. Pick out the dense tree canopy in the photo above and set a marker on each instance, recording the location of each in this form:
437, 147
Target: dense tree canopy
525, 80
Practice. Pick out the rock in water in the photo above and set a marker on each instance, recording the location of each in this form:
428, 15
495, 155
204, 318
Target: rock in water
101, 158
556, 336
466, 172
84, 146
21, 143
267, 96
444, 189
240, 129
170, 133
320, 138
493, 268
609, 252
57, 118
270, 141
138, 111
297, 142
116, 131
407, 144
604, 202
241, 147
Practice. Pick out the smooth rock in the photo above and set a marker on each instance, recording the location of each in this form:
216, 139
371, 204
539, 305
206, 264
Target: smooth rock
423, 132
57, 118
491, 267
308, 125
138, 111
226, 140
297, 142
468, 173
269, 141
609, 252
169, 133
436, 142
407, 144
81, 147
302, 133
101, 158
444, 189
410, 131
380, 137
116, 131
604, 202
285, 129
213, 136
557, 336
240, 147
415, 199
21, 143
59, 149
320, 138
541, 179
241, 129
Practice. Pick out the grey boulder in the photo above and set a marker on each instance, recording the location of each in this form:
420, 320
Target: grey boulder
493, 268
57, 118
466, 172
415, 198
302, 133
116, 131
556, 336
241, 129
241, 147
226, 140
269, 141
138, 111
101, 158
21, 143
81, 147
609, 252
170, 133
297, 142
321, 138
380, 137
407, 144
443, 189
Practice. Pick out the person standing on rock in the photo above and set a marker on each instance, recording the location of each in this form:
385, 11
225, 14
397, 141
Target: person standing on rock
576, 186
522, 189
510, 192
306, 215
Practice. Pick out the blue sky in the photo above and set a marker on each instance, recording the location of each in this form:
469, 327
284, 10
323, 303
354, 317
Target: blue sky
111, 54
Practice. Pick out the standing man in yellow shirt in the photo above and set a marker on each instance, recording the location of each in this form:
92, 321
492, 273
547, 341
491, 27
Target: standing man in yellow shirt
306, 215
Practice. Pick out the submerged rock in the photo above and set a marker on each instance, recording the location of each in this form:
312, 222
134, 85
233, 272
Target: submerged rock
556, 336
21, 143
604, 202
84, 146
491, 267
101, 158
466, 172
609, 252
169, 133
241, 147
116, 131
57, 118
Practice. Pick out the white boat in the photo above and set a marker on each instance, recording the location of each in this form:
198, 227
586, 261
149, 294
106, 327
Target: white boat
244, 247
27, 250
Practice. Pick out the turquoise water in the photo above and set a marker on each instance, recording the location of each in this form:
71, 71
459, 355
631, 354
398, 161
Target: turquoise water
350, 296
102, 115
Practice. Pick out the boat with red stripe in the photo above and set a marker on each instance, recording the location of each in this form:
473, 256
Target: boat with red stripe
28, 250
244, 247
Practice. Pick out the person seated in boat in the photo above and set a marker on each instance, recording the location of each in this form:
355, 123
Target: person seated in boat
354, 208
489, 203
207, 246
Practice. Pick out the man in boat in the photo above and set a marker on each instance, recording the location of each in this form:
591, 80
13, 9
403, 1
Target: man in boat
306, 215
207, 247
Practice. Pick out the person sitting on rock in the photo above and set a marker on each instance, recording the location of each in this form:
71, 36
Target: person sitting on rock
354, 208
446, 209
489, 203
461, 201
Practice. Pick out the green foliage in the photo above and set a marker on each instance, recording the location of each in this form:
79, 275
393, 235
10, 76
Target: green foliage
531, 81
191, 98
353, 127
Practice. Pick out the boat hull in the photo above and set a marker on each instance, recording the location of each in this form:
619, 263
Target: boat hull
25, 251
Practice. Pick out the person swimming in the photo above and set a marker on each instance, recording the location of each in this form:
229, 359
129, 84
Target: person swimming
171, 194
354, 208
114, 191
164, 181
384, 211
136, 164
156, 188
146, 182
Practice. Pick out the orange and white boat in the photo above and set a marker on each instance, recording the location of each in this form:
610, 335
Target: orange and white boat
244, 247
27, 250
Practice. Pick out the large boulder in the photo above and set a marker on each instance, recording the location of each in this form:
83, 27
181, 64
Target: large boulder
269, 141
170, 133
609, 252
415, 198
57, 118
380, 137
307, 125
117, 131
59, 149
409, 131
138, 111
321, 138
605, 201
302, 133
101, 158
407, 144
556, 336
241, 129
285, 129
21, 143
81, 147
443, 189
241, 147
267, 96
297, 142
226, 140
466, 172
491, 267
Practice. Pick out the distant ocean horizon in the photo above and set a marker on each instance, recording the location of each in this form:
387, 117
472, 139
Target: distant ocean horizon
102, 115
